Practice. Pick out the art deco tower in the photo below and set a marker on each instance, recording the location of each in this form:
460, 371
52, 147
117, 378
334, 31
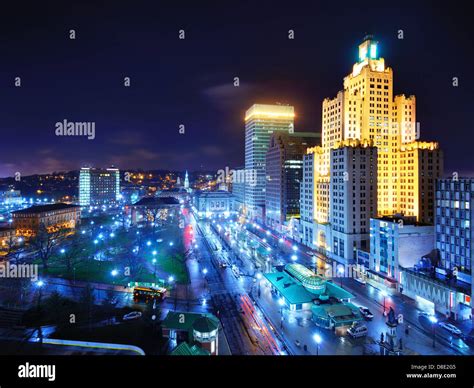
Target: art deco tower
367, 110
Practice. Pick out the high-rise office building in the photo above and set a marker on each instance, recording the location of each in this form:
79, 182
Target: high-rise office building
314, 199
260, 122
353, 197
284, 174
99, 186
238, 189
443, 280
367, 110
419, 165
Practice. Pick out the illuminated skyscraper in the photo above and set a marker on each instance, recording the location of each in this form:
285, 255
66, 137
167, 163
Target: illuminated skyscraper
284, 174
260, 122
366, 110
99, 186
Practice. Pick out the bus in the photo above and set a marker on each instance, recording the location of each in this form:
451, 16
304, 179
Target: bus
146, 294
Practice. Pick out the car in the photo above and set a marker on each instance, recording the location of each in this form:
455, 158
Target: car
425, 314
357, 331
451, 328
132, 315
360, 280
298, 343
366, 313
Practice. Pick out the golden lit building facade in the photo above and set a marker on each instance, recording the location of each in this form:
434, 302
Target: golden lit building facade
261, 120
54, 217
419, 165
367, 110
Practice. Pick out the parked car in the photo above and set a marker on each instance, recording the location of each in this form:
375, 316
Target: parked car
357, 331
360, 280
451, 328
366, 313
424, 314
132, 315
298, 343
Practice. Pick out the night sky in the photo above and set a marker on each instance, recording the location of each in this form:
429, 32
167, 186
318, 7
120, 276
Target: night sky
190, 81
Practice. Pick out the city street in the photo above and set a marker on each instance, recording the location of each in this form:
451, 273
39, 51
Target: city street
418, 339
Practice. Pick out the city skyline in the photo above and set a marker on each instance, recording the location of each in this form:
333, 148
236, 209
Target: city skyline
241, 179
138, 126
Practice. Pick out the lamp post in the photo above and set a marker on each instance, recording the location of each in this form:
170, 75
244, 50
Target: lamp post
154, 262
384, 294
40, 285
340, 270
204, 272
433, 321
259, 278
317, 338
281, 302
114, 273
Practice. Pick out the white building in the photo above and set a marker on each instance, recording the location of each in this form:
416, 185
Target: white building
353, 197
99, 186
443, 282
209, 204
397, 243
260, 122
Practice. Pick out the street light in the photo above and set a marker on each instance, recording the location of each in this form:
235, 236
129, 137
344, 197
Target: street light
433, 321
40, 285
154, 273
281, 302
384, 294
317, 338
114, 272
340, 270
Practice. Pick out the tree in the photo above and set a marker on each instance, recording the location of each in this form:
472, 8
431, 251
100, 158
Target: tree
130, 252
74, 253
87, 299
14, 249
45, 242
110, 301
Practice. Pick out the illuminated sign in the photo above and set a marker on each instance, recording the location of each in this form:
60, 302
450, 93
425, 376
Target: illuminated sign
373, 51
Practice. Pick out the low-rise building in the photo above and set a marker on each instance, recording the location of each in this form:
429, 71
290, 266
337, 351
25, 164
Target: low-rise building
396, 242
195, 329
302, 291
213, 203
7, 237
443, 280
54, 217
11, 197
153, 209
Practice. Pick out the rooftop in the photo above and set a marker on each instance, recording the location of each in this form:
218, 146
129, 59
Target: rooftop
45, 208
185, 321
205, 324
184, 349
157, 201
290, 289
